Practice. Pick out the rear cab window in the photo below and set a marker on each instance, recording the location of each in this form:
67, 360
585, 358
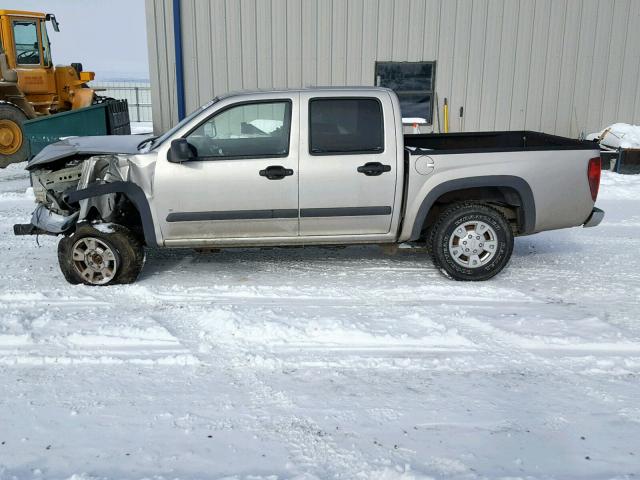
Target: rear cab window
345, 126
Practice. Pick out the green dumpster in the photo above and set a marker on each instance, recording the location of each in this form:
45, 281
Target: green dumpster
108, 118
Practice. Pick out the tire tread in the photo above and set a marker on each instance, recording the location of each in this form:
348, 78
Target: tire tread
445, 217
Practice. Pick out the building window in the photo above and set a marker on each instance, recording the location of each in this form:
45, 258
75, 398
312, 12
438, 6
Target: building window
413, 83
344, 126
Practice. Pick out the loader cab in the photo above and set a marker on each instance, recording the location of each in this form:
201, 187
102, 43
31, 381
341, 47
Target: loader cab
31, 43
48, 89
25, 39
31, 40
26, 45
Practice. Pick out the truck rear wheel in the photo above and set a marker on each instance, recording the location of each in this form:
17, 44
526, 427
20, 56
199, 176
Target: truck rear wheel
101, 256
13, 146
471, 241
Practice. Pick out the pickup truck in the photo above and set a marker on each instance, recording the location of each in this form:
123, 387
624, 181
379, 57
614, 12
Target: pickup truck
321, 166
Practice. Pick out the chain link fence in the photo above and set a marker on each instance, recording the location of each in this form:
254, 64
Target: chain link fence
137, 94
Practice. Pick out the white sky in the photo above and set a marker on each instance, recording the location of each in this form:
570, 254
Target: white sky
107, 37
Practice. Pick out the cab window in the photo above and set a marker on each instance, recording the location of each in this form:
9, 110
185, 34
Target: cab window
25, 34
248, 130
345, 126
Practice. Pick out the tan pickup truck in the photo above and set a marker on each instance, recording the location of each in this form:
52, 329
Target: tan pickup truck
307, 167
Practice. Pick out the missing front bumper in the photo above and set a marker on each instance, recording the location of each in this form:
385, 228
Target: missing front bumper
44, 221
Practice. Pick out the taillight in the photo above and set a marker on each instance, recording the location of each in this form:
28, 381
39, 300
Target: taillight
593, 174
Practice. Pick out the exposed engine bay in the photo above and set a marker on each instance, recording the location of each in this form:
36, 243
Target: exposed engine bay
49, 186
78, 163
56, 213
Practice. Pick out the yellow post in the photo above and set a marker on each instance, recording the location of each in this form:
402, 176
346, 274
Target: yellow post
446, 116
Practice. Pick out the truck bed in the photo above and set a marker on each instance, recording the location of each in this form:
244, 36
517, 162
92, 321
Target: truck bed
480, 142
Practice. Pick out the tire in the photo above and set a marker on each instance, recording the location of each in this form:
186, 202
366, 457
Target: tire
461, 252
14, 147
122, 265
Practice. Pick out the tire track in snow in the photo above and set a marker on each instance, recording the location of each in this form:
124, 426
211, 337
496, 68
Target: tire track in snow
41, 328
437, 307
312, 449
320, 301
534, 362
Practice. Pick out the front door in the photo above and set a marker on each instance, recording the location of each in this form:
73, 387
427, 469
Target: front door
347, 164
243, 181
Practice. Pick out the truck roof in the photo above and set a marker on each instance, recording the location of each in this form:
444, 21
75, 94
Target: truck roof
355, 88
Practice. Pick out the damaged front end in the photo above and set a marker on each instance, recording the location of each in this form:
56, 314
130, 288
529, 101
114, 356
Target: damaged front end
52, 215
56, 187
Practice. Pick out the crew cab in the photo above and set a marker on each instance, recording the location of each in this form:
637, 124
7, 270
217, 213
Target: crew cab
324, 166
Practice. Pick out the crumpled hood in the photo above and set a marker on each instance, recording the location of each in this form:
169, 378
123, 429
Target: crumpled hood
100, 145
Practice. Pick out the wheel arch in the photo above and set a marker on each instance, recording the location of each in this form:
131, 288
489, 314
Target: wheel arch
515, 191
134, 194
17, 100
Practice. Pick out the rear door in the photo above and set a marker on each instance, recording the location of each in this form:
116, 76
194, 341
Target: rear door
347, 164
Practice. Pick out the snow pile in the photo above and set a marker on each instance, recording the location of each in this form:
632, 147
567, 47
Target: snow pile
618, 187
618, 135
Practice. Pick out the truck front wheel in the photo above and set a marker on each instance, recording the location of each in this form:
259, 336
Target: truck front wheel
104, 254
471, 241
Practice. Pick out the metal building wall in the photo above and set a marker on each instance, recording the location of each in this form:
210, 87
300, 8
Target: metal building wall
559, 66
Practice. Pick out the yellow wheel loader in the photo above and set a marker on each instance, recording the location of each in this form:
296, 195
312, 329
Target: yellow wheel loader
30, 86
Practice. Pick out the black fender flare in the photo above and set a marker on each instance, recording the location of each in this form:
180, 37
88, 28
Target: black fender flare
133, 192
518, 184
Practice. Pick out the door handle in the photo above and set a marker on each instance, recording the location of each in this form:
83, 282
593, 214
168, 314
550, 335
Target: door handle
373, 169
276, 172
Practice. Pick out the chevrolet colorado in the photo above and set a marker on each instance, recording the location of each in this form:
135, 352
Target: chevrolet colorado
307, 167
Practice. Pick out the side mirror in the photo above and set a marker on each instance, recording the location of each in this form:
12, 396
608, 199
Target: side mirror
180, 151
52, 18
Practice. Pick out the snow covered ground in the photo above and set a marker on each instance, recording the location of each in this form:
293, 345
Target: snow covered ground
318, 363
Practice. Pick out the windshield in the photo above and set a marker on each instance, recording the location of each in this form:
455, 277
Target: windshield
169, 133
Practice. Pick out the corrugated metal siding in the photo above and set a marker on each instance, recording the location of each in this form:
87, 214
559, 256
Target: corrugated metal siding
162, 71
559, 66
